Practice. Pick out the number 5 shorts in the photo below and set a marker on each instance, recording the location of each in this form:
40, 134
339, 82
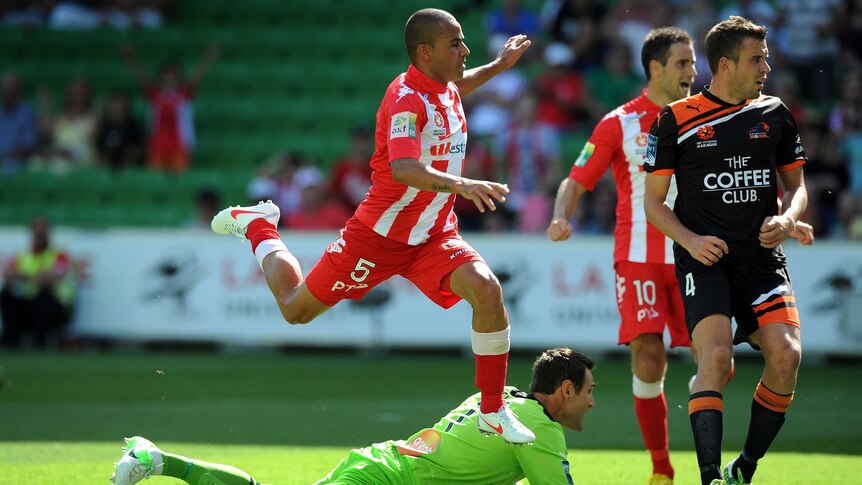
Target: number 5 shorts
360, 259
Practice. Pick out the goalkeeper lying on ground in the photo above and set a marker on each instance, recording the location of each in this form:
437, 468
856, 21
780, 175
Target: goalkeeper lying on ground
453, 451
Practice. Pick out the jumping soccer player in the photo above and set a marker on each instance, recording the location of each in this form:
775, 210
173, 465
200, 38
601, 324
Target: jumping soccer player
406, 226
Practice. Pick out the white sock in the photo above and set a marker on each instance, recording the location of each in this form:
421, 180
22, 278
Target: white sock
266, 247
647, 390
491, 343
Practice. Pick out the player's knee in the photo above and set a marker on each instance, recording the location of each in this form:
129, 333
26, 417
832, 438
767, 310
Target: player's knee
649, 369
296, 316
785, 360
719, 359
487, 289
648, 358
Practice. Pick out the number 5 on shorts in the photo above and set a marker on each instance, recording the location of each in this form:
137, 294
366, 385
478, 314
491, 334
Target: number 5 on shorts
362, 270
689, 284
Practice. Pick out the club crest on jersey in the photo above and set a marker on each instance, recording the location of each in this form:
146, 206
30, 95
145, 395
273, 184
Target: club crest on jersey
585, 155
760, 130
652, 143
403, 125
705, 133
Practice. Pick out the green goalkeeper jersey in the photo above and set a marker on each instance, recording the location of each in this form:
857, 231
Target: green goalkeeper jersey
455, 452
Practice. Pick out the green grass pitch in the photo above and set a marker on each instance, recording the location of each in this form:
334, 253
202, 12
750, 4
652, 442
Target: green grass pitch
289, 418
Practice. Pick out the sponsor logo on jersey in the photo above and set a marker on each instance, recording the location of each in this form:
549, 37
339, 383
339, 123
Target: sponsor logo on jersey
740, 183
705, 133
585, 155
403, 125
423, 444
695, 107
760, 130
650, 150
641, 139
403, 91
447, 148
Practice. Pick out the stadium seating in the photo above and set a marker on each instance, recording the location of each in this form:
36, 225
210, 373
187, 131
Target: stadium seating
293, 76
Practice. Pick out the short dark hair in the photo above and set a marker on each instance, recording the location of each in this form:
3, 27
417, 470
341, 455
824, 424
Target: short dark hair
657, 45
725, 39
423, 27
555, 366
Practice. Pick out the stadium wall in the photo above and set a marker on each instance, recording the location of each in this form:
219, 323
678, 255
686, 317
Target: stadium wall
190, 285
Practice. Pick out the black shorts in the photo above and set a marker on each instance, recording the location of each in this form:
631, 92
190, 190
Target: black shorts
755, 293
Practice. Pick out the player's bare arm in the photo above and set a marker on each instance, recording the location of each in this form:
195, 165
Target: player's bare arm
775, 229
568, 195
804, 232
506, 58
706, 249
483, 193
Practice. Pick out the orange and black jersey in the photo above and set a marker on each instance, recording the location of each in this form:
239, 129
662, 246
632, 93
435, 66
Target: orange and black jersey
725, 158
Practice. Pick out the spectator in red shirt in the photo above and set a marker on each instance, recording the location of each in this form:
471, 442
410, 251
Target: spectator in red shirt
318, 211
351, 175
172, 135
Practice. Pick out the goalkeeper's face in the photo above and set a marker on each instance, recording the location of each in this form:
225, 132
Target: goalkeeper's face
576, 404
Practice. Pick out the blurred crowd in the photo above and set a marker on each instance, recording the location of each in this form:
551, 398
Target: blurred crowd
526, 125
84, 14
587, 61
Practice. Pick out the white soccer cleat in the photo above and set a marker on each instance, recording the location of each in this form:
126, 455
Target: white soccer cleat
235, 220
505, 424
140, 458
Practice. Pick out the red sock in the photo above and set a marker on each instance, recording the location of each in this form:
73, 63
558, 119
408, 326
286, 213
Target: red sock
490, 379
652, 418
260, 230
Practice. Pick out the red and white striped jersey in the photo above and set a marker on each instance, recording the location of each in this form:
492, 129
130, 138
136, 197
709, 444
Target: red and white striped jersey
620, 141
422, 119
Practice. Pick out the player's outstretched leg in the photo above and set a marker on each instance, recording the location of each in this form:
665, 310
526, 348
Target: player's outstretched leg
140, 459
476, 283
258, 224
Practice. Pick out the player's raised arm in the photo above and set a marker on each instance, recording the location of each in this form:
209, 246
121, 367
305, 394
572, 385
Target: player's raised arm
506, 58
483, 193
706, 249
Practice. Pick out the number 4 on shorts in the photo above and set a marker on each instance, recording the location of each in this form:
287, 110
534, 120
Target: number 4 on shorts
689, 284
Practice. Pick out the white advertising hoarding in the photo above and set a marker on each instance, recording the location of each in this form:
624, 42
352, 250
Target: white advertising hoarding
191, 285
